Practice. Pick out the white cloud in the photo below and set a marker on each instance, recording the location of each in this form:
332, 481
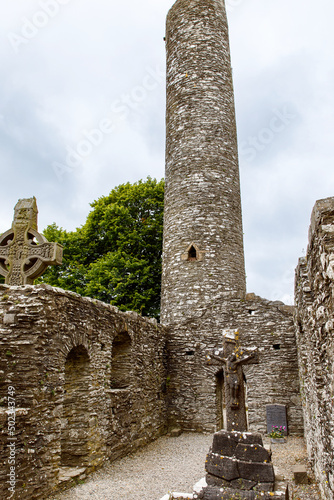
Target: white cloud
64, 79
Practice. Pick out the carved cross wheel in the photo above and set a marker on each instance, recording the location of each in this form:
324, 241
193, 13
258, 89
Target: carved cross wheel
24, 253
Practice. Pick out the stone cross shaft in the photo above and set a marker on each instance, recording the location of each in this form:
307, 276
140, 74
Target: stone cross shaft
24, 253
231, 359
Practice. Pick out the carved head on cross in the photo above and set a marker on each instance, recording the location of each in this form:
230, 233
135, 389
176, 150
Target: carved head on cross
24, 253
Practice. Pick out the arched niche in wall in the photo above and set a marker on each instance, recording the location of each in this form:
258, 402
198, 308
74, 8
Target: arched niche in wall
76, 409
121, 362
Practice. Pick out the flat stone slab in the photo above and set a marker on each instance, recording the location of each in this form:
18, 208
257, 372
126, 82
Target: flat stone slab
265, 487
236, 484
67, 473
212, 493
243, 484
217, 481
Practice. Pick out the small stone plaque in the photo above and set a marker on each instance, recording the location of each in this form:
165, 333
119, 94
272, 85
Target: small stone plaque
276, 416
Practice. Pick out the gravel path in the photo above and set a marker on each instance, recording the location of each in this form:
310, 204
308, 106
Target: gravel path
176, 464
285, 457
168, 464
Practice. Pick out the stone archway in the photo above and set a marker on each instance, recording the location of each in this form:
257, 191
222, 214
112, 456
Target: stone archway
75, 420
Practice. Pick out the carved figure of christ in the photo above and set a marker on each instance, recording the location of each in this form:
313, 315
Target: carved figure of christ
236, 419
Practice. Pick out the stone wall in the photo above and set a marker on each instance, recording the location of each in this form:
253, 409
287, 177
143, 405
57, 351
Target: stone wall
194, 390
87, 380
314, 294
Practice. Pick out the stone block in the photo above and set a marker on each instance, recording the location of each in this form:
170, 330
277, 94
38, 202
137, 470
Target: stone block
217, 481
212, 493
278, 475
300, 474
252, 453
225, 442
250, 438
9, 319
242, 484
175, 432
264, 487
220, 466
261, 473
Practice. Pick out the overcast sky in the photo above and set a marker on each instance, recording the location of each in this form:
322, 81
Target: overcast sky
82, 92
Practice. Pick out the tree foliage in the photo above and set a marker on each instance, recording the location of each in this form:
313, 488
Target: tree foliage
116, 255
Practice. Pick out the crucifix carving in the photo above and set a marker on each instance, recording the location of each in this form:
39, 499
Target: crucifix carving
24, 253
231, 359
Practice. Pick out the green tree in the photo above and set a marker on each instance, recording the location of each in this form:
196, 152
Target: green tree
116, 255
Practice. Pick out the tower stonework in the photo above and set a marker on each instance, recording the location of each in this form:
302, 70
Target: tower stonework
203, 257
203, 280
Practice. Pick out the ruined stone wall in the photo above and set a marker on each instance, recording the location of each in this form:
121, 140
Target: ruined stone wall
194, 386
314, 294
203, 255
88, 384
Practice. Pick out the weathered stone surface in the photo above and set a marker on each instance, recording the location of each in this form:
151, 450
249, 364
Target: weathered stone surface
216, 481
24, 253
242, 484
264, 487
212, 493
252, 453
300, 474
226, 442
176, 432
63, 356
234, 471
249, 438
314, 292
220, 466
263, 473
274, 379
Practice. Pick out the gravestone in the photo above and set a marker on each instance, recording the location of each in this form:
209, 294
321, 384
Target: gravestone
24, 253
276, 417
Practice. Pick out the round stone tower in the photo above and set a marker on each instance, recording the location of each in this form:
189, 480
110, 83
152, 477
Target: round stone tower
203, 257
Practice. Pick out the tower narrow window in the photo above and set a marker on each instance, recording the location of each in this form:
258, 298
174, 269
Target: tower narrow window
192, 253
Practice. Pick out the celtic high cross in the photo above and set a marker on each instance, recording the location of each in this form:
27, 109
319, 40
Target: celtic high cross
24, 253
